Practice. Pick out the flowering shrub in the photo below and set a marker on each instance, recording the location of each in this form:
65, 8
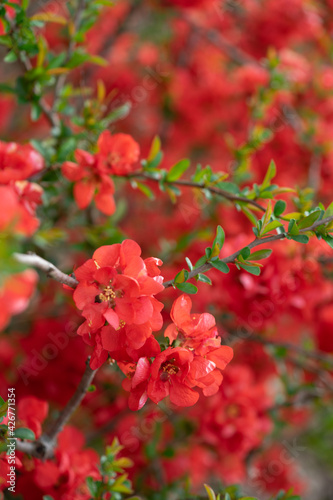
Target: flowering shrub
166, 224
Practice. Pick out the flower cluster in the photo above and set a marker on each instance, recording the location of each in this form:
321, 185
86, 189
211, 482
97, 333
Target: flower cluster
195, 362
116, 295
18, 197
117, 155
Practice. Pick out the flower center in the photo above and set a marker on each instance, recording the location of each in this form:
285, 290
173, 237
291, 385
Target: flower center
108, 295
232, 410
168, 368
113, 158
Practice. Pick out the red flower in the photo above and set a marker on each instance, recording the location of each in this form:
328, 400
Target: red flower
118, 153
192, 329
18, 203
32, 412
15, 294
89, 179
173, 373
18, 162
118, 286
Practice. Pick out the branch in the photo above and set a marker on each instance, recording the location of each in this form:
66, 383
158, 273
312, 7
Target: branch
50, 115
241, 58
320, 356
220, 192
71, 47
231, 259
52, 271
43, 448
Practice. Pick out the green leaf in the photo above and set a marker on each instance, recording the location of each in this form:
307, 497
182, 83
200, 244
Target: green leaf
271, 226
271, 172
301, 238
210, 492
218, 241
251, 269
260, 254
309, 220
279, 207
145, 190
204, 278
208, 252
154, 149
187, 287
177, 170
181, 277
329, 211
24, 433
293, 228
3, 408
245, 253
10, 57
47, 497
221, 266
200, 261
189, 263
329, 239
92, 485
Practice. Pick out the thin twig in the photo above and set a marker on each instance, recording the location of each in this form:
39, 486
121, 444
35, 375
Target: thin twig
320, 356
50, 115
52, 271
231, 258
43, 448
71, 47
197, 185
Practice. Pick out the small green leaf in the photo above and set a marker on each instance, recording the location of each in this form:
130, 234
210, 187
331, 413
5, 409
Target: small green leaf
181, 276
3, 408
204, 278
187, 287
279, 207
271, 226
200, 261
10, 57
301, 238
189, 263
271, 173
208, 252
251, 269
145, 190
260, 254
221, 266
293, 228
218, 241
210, 492
245, 253
177, 170
309, 220
154, 149
329, 239
24, 433
92, 485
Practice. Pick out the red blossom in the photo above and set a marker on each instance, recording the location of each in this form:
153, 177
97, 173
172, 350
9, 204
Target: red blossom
15, 294
18, 162
118, 153
116, 286
32, 413
90, 182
